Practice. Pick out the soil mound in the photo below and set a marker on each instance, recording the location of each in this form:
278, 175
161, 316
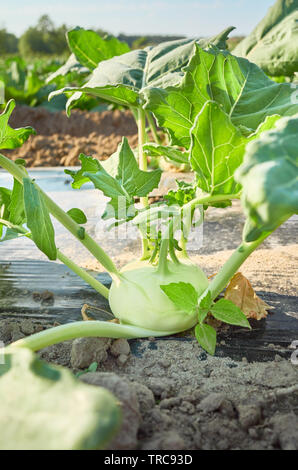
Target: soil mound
60, 140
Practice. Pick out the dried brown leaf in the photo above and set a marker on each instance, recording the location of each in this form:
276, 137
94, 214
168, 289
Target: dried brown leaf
241, 292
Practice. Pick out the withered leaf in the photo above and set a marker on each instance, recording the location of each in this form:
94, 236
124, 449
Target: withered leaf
241, 292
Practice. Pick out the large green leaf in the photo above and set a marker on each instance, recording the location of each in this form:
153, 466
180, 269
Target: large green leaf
38, 219
269, 176
72, 65
241, 88
217, 149
90, 48
123, 79
272, 45
44, 407
12, 138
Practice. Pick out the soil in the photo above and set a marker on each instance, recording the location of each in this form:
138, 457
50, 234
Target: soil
60, 140
180, 398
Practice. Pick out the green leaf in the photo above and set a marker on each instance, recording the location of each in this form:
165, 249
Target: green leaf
127, 183
44, 407
77, 215
185, 193
123, 79
89, 164
71, 66
206, 301
38, 219
227, 312
204, 306
5, 198
12, 138
239, 87
183, 295
172, 153
206, 337
16, 207
272, 45
269, 176
90, 48
217, 149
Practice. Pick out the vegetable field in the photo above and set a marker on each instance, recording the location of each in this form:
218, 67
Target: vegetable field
148, 290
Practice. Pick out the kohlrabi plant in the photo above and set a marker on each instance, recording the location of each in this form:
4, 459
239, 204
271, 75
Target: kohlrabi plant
237, 130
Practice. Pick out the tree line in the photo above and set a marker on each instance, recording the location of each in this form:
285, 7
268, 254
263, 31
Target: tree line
47, 39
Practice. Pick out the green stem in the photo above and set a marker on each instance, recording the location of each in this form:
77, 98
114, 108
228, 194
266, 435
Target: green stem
97, 285
172, 252
81, 329
164, 249
142, 137
153, 127
209, 199
141, 122
163, 257
183, 246
65, 220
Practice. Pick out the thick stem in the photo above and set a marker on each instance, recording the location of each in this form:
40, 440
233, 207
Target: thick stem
172, 252
164, 249
183, 246
142, 136
80, 329
153, 128
209, 199
97, 285
65, 220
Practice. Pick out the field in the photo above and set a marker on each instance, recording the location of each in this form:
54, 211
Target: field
148, 255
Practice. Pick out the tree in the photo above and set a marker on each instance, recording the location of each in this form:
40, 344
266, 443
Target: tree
8, 42
44, 38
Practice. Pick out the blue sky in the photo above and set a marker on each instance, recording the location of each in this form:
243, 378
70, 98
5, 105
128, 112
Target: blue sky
177, 17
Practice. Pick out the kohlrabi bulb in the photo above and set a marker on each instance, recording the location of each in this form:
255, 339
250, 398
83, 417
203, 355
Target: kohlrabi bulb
137, 298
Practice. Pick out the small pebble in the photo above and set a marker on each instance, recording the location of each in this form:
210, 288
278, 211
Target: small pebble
122, 359
165, 363
120, 347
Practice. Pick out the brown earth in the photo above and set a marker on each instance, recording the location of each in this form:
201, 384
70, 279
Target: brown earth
60, 140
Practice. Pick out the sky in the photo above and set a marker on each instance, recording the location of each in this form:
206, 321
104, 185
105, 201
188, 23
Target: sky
168, 17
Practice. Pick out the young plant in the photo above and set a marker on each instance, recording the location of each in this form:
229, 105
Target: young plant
227, 116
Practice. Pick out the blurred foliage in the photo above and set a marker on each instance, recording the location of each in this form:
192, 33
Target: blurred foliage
8, 42
233, 41
44, 38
